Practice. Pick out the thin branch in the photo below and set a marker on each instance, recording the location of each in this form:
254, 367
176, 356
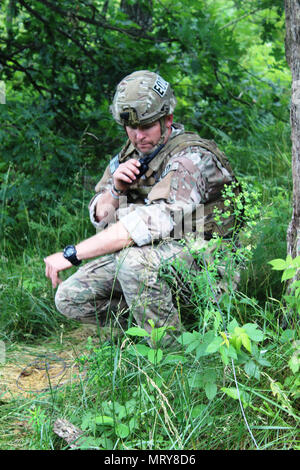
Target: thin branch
17, 51
20, 67
236, 98
63, 33
98, 22
237, 20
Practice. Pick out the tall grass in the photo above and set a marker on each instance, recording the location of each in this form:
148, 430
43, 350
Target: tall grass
264, 160
126, 402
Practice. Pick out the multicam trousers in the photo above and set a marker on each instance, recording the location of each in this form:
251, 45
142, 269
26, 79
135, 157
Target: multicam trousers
128, 279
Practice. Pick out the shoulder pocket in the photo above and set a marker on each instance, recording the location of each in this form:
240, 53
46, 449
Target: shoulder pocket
162, 189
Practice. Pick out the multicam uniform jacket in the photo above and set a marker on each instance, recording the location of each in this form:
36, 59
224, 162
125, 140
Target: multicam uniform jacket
187, 174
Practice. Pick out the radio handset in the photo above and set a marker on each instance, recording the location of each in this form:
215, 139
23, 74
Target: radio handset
144, 161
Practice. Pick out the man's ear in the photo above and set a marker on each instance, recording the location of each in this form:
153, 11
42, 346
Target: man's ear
169, 121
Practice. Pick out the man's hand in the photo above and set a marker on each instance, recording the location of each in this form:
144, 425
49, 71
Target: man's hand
54, 264
126, 174
113, 238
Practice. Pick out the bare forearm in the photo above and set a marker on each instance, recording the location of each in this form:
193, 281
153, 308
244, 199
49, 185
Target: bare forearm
110, 240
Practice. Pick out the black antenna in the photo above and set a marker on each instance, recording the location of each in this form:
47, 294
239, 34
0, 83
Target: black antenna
144, 161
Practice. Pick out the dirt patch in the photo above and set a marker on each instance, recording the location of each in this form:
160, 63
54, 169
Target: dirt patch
36, 377
80, 335
31, 370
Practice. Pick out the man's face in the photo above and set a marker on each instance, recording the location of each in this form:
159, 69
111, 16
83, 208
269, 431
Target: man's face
145, 138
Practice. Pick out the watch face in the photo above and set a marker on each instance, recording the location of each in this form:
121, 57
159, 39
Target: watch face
69, 251
70, 254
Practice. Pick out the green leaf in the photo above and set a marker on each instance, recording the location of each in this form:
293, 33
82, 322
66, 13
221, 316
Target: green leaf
196, 381
232, 352
214, 345
191, 340
158, 333
136, 331
263, 362
86, 443
297, 292
253, 332
120, 410
209, 376
296, 262
294, 363
233, 393
201, 350
188, 338
87, 420
142, 349
232, 325
278, 264
246, 342
105, 420
287, 336
175, 359
240, 338
210, 390
203, 343
252, 369
236, 340
288, 274
198, 411
155, 355
133, 423
227, 353
122, 430
224, 355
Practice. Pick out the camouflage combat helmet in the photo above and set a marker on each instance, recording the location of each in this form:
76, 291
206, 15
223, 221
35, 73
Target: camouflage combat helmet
142, 98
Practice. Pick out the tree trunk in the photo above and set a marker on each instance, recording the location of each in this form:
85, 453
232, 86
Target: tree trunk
292, 45
139, 11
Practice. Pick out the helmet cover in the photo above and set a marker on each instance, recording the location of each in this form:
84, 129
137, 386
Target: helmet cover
142, 98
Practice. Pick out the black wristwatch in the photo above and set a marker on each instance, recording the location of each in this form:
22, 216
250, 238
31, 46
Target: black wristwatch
70, 254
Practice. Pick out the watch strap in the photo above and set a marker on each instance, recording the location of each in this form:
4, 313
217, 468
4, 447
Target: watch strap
72, 257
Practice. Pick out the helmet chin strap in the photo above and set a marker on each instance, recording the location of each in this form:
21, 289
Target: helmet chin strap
163, 130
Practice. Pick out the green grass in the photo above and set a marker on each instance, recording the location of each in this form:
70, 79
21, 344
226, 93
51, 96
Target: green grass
127, 402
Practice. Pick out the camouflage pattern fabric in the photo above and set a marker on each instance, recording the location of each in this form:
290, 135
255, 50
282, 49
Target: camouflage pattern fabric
142, 98
175, 186
107, 287
185, 176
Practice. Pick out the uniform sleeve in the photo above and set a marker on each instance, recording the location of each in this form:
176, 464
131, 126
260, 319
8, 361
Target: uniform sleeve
191, 179
102, 186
